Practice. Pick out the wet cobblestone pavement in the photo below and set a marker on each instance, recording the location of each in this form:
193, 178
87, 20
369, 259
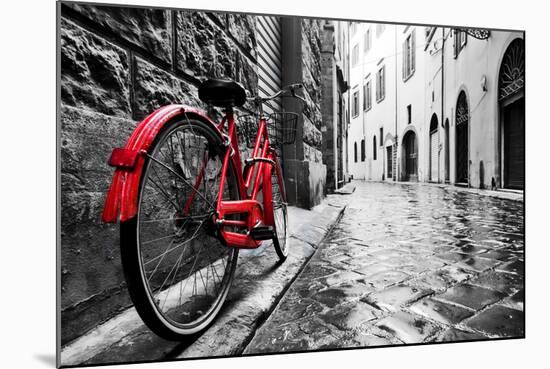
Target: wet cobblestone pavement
408, 263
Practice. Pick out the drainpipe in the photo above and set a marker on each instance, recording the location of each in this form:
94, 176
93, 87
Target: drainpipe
443, 102
348, 114
396, 174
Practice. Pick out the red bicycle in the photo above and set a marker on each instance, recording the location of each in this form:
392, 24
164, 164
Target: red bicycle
186, 204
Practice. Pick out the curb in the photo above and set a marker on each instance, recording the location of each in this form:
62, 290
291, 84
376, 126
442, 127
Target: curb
259, 285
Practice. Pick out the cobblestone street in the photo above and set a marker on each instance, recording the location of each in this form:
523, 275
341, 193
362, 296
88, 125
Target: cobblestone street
407, 263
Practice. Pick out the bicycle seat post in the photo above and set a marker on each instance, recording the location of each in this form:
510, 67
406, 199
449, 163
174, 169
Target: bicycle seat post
228, 111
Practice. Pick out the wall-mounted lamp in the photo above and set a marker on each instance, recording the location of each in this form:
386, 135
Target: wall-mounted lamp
483, 83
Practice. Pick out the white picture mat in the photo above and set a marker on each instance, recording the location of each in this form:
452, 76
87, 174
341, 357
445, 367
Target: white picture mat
28, 188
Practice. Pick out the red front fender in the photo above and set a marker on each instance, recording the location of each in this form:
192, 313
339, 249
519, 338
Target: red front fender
121, 201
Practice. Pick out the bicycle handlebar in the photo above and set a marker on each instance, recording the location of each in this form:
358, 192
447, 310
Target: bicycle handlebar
290, 88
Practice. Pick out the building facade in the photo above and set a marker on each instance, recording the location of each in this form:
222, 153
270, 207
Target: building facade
335, 73
437, 104
118, 64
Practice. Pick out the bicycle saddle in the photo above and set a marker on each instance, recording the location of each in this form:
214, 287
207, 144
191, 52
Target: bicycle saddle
223, 93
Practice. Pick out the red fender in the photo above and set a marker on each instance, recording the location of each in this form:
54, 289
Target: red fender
121, 200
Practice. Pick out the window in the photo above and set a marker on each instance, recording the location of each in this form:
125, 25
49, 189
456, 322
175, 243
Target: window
381, 136
346, 111
373, 147
428, 33
409, 55
363, 150
355, 151
460, 41
355, 104
380, 27
381, 84
355, 55
367, 96
409, 114
368, 41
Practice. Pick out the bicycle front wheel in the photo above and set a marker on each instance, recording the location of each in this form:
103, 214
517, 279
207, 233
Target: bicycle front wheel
280, 212
177, 270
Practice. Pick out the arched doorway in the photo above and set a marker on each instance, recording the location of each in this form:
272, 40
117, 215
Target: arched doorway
447, 152
434, 149
410, 155
511, 99
462, 120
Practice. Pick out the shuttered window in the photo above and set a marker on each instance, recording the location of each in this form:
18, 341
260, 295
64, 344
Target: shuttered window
355, 104
380, 27
460, 39
409, 55
367, 98
269, 60
355, 55
368, 41
381, 84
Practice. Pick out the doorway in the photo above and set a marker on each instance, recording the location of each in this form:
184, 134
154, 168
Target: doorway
512, 115
434, 150
462, 148
410, 148
447, 152
514, 144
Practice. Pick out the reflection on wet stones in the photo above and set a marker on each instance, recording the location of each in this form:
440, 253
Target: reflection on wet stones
473, 297
394, 297
499, 281
447, 268
408, 328
384, 279
441, 312
349, 316
453, 335
515, 301
512, 267
499, 321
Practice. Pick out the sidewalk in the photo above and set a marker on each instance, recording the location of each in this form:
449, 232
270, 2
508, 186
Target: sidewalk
258, 286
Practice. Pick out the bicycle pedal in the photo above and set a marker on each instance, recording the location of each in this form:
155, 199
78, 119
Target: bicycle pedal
260, 233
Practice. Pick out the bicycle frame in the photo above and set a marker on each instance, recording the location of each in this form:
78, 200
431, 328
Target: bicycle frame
255, 176
121, 200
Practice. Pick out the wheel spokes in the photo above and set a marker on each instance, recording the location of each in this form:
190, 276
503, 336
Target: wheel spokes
186, 267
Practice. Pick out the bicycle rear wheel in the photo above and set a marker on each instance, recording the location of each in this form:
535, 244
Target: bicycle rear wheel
177, 270
280, 212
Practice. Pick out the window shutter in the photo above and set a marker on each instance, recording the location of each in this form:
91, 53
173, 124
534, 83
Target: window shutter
413, 50
404, 65
377, 86
455, 42
269, 39
383, 82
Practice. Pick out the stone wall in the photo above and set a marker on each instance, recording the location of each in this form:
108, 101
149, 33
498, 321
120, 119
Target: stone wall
305, 172
118, 64
329, 82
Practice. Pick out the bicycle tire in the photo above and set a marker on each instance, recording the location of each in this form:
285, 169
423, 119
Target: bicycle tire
280, 241
142, 285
